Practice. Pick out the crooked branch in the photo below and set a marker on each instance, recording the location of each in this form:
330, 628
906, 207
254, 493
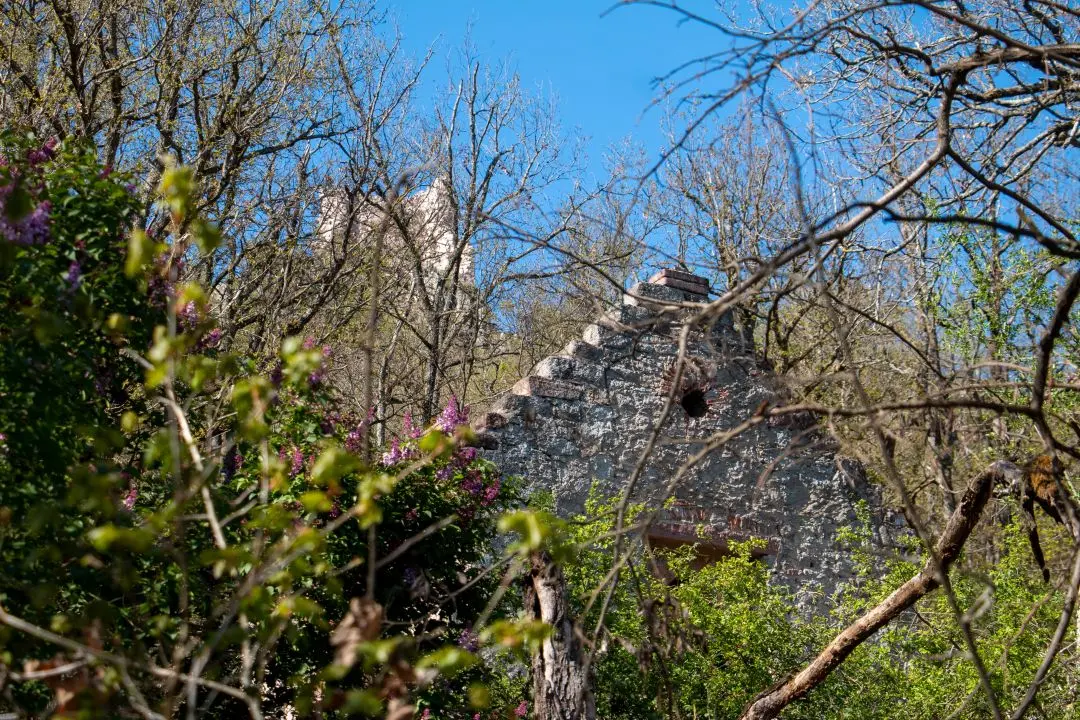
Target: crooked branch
772, 702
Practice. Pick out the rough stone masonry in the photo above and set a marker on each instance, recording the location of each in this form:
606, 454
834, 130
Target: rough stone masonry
586, 415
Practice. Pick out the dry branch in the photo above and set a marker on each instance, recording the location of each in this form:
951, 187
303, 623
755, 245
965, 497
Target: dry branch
963, 520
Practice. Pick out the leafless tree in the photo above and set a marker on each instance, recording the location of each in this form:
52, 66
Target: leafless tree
957, 124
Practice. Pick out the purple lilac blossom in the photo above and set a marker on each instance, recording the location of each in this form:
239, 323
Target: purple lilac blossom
210, 340
129, 499
522, 710
74, 275
189, 315
472, 485
316, 378
397, 453
453, 415
31, 230
329, 422
354, 441
468, 640
412, 430
46, 152
297, 463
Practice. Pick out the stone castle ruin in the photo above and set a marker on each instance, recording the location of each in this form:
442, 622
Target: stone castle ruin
427, 213
586, 415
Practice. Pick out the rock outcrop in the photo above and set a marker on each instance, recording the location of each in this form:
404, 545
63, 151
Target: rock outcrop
586, 416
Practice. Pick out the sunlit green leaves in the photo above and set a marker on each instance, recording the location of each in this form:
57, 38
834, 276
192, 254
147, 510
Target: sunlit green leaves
141, 251
511, 634
170, 484
536, 530
177, 188
316, 501
227, 559
372, 486
251, 398
363, 702
333, 464
448, 660
112, 537
206, 235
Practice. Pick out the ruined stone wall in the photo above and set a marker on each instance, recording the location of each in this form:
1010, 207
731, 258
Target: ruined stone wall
586, 414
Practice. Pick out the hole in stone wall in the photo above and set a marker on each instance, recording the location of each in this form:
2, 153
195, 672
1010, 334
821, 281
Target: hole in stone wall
695, 381
694, 403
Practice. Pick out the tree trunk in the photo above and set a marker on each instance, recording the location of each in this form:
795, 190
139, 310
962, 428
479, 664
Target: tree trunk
561, 687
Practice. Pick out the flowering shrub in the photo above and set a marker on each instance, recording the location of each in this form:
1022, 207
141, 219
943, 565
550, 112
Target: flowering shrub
181, 532
68, 312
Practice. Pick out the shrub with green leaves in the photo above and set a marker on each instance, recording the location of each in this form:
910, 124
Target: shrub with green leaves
68, 312
187, 531
688, 639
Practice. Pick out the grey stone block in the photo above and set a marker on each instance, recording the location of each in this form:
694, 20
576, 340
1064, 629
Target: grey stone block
603, 335
636, 316
653, 295
557, 367
692, 288
546, 387
583, 350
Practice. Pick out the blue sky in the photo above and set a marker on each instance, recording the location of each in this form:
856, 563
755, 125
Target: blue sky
600, 67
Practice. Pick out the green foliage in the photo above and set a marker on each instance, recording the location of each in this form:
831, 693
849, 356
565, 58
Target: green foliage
710, 637
180, 507
62, 386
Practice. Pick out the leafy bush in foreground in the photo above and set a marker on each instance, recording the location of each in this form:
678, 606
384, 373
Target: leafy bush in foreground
183, 528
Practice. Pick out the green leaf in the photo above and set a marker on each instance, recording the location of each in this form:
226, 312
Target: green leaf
111, 537
332, 465
177, 187
140, 253
316, 501
448, 660
516, 633
207, 236
435, 443
479, 696
362, 702
536, 529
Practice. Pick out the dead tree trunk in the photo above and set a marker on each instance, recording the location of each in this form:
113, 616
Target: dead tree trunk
561, 688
